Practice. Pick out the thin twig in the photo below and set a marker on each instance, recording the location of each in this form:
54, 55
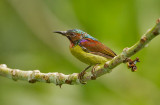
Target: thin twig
60, 78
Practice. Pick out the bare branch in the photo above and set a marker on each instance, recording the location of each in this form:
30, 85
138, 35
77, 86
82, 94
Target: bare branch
60, 78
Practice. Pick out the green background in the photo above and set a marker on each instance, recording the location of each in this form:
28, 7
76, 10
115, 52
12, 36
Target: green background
27, 43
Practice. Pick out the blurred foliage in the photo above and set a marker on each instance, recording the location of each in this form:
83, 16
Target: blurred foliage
27, 42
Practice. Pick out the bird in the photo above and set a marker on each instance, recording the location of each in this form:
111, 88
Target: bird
87, 49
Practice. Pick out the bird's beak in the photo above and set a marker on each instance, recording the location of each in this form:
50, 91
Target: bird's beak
61, 32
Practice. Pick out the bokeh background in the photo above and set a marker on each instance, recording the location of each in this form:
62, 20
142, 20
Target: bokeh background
27, 43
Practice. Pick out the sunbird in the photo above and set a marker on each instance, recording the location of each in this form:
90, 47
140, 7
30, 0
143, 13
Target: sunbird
87, 49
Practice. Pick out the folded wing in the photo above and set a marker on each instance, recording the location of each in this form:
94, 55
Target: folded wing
97, 48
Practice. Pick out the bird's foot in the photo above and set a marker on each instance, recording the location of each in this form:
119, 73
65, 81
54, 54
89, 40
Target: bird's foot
132, 64
92, 71
81, 74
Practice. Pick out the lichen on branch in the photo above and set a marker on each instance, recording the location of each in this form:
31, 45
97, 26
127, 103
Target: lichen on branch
60, 78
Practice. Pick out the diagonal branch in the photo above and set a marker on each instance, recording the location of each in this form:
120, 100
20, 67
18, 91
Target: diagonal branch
60, 78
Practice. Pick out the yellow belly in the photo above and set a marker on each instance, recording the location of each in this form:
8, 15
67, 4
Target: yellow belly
87, 58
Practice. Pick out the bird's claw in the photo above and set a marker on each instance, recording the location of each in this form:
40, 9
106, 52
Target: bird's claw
93, 77
81, 74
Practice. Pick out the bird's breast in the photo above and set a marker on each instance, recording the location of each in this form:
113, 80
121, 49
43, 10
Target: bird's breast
86, 57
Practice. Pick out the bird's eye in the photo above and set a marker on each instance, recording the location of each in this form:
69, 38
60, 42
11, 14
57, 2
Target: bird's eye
72, 34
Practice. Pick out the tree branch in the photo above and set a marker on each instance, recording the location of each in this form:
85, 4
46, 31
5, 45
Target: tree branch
60, 78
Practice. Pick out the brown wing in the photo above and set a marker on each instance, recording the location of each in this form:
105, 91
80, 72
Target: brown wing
97, 48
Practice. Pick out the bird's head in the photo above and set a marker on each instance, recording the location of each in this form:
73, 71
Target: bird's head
75, 34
